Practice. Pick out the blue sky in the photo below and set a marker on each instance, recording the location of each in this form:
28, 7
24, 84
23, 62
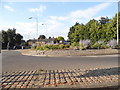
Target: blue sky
57, 17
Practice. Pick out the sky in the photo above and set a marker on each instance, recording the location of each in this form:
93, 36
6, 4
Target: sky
54, 18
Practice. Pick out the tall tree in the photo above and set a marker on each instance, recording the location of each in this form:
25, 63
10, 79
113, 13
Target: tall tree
92, 30
104, 29
10, 38
60, 38
42, 37
4, 39
70, 36
18, 39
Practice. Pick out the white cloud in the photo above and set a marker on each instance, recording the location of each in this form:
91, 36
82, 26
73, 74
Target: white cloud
85, 15
40, 9
57, 28
9, 8
81, 16
28, 30
90, 12
62, 18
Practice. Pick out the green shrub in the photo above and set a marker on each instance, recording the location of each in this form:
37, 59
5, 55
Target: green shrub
33, 47
39, 48
45, 47
82, 47
61, 46
56, 47
99, 46
50, 46
104, 46
96, 45
117, 46
74, 45
66, 46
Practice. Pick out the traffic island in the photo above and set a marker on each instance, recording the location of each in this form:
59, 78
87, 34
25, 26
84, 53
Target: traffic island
89, 52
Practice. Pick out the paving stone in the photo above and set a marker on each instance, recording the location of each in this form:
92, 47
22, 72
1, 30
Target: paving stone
52, 81
60, 78
63, 75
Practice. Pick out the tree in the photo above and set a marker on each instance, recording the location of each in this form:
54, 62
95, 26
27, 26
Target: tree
77, 32
10, 38
49, 37
60, 38
112, 28
42, 37
104, 20
70, 36
18, 39
104, 29
4, 39
92, 30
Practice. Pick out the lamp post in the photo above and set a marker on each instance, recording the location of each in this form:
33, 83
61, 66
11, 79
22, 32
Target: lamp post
36, 24
118, 23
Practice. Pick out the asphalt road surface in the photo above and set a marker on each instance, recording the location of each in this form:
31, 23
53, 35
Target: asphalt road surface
15, 61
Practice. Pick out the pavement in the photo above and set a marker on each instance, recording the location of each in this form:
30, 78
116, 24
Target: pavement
73, 78
21, 71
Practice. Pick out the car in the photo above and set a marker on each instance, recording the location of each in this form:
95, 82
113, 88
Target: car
17, 47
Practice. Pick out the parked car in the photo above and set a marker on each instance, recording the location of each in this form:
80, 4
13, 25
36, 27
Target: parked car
17, 47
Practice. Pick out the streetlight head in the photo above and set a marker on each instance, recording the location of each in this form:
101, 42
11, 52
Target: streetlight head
30, 17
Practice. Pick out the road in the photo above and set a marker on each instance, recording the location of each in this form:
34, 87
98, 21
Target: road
15, 61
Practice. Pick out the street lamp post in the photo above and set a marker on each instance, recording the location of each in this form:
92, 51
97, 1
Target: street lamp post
36, 24
118, 23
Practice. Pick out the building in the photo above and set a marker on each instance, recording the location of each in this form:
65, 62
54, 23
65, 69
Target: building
41, 42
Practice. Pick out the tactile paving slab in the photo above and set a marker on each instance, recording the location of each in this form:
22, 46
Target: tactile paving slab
66, 78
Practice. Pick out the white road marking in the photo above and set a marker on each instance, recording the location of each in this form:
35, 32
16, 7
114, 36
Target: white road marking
102, 56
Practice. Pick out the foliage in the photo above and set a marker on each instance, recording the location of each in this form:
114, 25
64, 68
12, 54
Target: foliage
104, 29
117, 46
45, 47
82, 47
41, 37
60, 38
74, 45
99, 46
51, 47
66, 46
10, 36
112, 43
33, 47
55, 46
85, 43
61, 46
96, 45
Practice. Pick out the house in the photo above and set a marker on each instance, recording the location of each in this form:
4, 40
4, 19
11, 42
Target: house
41, 42
67, 42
